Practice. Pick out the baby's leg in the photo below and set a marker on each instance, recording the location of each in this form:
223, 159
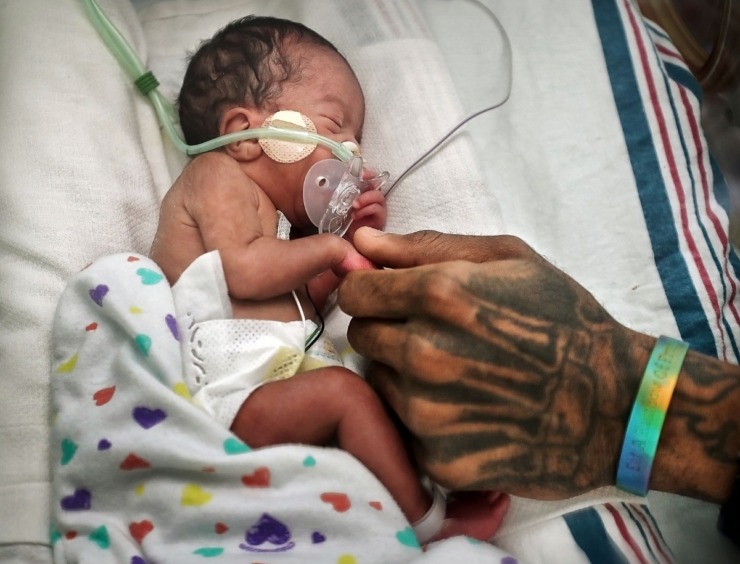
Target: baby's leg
474, 514
318, 406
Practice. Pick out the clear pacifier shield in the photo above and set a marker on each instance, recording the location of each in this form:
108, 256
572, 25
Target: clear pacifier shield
318, 187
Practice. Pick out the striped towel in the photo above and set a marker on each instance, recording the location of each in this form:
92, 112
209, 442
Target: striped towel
608, 533
680, 188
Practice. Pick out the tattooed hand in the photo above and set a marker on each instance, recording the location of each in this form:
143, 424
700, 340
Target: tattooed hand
508, 373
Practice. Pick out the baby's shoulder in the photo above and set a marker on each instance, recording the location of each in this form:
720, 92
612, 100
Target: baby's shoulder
212, 174
212, 166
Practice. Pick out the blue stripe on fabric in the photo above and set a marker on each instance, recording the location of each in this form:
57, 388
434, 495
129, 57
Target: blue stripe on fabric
679, 288
657, 30
591, 537
720, 189
716, 259
641, 529
682, 76
722, 193
646, 511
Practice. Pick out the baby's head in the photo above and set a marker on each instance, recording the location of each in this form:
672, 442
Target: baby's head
255, 67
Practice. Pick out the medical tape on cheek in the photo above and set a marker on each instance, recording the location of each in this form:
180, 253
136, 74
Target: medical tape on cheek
288, 151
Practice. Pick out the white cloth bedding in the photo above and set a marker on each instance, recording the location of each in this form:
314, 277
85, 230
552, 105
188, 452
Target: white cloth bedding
561, 164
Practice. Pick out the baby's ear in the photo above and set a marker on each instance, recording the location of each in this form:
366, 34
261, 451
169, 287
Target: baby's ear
241, 119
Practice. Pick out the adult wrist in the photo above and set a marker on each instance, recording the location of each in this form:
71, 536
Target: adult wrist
648, 413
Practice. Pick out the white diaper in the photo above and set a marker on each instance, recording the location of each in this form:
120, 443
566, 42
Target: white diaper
225, 359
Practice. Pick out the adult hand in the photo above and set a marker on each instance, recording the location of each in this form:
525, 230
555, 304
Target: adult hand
508, 374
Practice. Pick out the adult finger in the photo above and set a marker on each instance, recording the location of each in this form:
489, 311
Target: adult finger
436, 291
426, 247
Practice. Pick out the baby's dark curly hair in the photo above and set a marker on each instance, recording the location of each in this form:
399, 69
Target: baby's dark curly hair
244, 64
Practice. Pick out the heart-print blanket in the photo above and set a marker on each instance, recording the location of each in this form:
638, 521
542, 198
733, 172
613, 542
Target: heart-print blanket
140, 474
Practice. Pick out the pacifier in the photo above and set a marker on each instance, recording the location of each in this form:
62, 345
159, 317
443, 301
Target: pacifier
330, 189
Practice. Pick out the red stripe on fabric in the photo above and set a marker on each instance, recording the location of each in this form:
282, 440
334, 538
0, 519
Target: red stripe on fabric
679, 189
713, 218
649, 526
668, 52
622, 526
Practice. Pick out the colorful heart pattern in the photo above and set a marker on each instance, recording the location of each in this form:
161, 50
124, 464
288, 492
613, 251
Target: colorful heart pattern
407, 538
98, 293
134, 462
268, 534
267, 530
194, 495
69, 449
80, 500
67, 366
149, 277
339, 501
139, 530
143, 343
171, 323
234, 446
104, 395
148, 418
260, 478
100, 537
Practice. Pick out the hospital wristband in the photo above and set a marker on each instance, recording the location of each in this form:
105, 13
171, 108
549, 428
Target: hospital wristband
648, 414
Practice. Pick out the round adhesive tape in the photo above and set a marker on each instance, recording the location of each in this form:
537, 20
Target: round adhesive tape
288, 151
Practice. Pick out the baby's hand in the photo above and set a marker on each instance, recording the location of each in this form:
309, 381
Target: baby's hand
368, 210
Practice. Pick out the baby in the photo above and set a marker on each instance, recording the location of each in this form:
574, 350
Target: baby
276, 379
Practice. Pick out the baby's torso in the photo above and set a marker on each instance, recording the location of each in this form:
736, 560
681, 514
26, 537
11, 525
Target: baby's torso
179, 241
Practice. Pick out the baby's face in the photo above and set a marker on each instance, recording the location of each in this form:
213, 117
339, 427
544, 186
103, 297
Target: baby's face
330, 95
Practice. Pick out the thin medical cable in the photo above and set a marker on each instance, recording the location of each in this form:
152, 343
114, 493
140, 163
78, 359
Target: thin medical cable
316, 333
300, 308
320, 329
446, 136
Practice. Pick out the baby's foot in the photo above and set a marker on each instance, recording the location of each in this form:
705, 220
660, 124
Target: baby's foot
474, 514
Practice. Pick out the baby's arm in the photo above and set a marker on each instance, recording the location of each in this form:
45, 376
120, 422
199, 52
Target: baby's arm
224, 203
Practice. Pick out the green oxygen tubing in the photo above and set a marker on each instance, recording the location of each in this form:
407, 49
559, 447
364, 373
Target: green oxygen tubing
147, 84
